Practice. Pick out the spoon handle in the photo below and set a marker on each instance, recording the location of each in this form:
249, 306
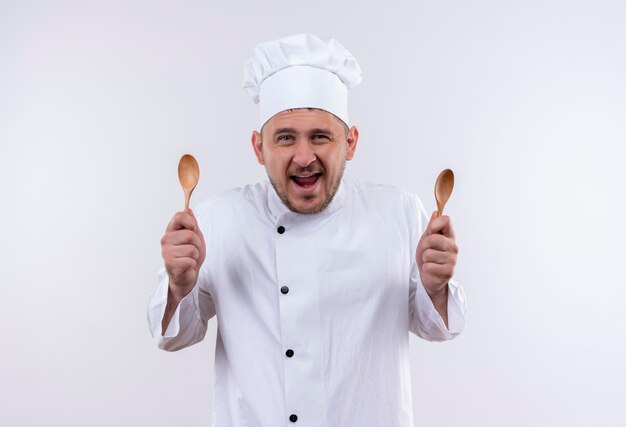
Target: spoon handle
187, 197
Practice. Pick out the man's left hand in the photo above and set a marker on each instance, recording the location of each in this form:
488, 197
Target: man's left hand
436, 255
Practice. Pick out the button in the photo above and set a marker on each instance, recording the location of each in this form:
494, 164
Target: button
284, 289
280, 229
293, 418
289, 353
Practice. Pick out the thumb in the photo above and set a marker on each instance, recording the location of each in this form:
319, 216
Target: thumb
427, 231
197, 229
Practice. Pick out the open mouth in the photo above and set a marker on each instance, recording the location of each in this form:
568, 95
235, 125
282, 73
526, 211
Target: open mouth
306, 181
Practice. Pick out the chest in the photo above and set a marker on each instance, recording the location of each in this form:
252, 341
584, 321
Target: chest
338, 262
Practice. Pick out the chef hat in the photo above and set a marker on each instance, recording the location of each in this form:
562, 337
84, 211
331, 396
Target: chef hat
301, 71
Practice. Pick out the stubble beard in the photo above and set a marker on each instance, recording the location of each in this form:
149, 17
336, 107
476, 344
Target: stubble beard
316, 209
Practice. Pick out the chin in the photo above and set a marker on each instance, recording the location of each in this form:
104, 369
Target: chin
310, 210
311, 206
304, 208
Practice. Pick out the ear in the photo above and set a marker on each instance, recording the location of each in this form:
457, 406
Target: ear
257, 146
352, 139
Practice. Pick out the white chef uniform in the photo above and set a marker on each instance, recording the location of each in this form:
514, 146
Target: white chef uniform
313, 311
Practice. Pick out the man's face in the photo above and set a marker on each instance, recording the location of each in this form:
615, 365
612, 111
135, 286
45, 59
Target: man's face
304, 152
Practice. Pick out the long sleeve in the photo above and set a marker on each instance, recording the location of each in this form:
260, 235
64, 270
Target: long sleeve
425, 320
189, 323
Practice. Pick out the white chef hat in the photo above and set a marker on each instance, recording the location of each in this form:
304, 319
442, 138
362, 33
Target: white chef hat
301, 71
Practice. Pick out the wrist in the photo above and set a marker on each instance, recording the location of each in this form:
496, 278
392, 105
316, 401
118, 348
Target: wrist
170, 308
174, 295
438, 296
439, 299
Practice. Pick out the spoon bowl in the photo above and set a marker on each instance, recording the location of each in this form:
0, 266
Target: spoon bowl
443, 189
188, 175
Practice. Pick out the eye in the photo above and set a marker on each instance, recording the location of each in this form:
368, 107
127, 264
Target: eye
284, 138
320, 137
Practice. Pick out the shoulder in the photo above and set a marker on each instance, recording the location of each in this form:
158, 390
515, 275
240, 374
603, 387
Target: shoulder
382, 195
391, 207
247, 198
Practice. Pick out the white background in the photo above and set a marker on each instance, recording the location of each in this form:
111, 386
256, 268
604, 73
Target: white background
526, 101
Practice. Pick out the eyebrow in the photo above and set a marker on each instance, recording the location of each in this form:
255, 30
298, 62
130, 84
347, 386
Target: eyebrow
285, 130
322, 131
314, 131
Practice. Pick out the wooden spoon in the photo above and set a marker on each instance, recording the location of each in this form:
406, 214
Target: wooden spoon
443, 189
188, 175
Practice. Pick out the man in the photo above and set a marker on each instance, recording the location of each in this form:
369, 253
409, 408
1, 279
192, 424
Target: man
315, 280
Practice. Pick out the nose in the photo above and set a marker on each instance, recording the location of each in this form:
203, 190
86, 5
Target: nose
304, 154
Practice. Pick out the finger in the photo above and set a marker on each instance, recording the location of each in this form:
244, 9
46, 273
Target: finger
185, 277
438, 257
184, 251
441, 225
439, 242
180, 266
197, 229
182, 220
427, 231
181, 237
199, 232
442, 272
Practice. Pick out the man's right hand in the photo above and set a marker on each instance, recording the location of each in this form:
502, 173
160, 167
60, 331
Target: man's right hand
183, 250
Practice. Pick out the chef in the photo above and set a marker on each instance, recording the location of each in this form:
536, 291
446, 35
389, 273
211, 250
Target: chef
315, 279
